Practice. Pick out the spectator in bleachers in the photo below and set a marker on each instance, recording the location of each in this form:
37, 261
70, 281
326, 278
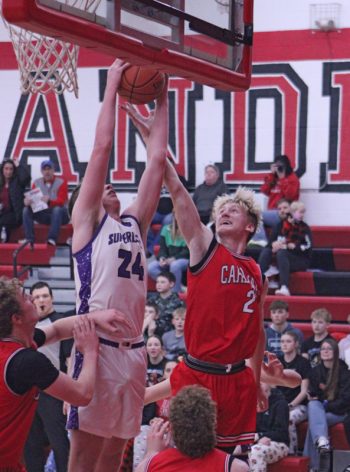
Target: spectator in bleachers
155, 372
266, 254
173, 255
293, 247
162, 216
55, 196
149, 323
205, 194
281, 182
279, 313
344, 347
14, 177
166, 300
271, 439
296, 397
329, 401
174, 340
310, 349
260, 238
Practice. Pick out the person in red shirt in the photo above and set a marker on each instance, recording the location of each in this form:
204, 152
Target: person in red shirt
24, 370
55, 196
281, 183
224, 320
191, 427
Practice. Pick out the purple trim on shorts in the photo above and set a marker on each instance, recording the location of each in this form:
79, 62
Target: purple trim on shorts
73, 419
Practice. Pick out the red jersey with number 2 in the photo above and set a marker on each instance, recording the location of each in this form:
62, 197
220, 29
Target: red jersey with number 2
223, 306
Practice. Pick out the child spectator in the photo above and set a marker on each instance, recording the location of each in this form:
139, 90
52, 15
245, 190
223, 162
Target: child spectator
271, 439
279, 313
155, 371
174, 341
173, 255
293, 253
329, 401
296, 397
320, 320
149, 323
166, 300
344, 347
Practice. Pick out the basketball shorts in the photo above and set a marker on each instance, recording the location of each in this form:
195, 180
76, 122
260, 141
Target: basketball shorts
236, 399
116, 407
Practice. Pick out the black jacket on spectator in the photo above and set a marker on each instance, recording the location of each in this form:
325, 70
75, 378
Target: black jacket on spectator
17, 185
318, 378
273, 423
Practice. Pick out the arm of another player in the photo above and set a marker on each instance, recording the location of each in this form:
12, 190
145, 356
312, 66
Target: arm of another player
108, 320
273, 373
87, 208
157, 392
79, 392
256, 360
154, 132
197, 236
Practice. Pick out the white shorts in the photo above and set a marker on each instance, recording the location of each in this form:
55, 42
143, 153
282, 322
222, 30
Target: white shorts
116, 407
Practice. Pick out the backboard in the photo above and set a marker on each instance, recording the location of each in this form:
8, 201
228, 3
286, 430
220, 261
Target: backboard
208, 41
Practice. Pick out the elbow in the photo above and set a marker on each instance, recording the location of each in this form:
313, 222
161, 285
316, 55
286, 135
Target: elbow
84, 398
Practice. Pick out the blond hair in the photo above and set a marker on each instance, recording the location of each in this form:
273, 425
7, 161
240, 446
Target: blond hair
246, 199
321, 314
180, 311
296, 205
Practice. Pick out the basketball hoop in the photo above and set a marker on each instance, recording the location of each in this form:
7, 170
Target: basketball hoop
47, 64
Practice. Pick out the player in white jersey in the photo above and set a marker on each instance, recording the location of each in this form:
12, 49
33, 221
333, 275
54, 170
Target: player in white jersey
110, 271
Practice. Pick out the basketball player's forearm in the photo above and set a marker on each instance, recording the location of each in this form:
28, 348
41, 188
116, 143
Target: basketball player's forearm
157, 143
157, 392
256, 360
87, 377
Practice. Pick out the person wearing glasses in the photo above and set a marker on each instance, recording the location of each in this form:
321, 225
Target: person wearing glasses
329, 401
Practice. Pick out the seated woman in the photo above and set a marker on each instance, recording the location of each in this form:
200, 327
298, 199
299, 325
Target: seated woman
271, 439
329, 401
173, 255
14, 178
296, 397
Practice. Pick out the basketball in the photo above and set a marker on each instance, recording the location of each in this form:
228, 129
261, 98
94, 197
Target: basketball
140, 85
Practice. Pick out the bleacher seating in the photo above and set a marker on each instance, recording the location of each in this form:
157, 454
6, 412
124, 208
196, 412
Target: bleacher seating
41, 232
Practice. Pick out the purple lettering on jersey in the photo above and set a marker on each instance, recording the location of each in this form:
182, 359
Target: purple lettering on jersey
127, 237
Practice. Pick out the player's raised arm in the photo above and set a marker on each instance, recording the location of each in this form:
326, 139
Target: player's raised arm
154, 131
87, 209
197, 236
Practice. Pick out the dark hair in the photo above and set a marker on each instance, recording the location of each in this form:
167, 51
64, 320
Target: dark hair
157, 337
193, 421
73, 198
283, 200
331, 388
152, 305
292, 334
2, 165
285, 162
279, 305
9, 304
38, 285
168, 275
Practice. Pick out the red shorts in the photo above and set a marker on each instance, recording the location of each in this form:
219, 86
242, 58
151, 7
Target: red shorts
235, 396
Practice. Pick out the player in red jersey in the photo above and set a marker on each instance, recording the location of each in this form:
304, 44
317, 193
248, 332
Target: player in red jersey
24, 370
224, 323
191, 426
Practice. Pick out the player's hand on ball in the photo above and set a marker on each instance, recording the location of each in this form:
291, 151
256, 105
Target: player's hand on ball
111, 321
142, 123
115, 73
85, 336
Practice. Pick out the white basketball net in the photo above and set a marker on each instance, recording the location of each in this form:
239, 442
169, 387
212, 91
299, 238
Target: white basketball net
47, 64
